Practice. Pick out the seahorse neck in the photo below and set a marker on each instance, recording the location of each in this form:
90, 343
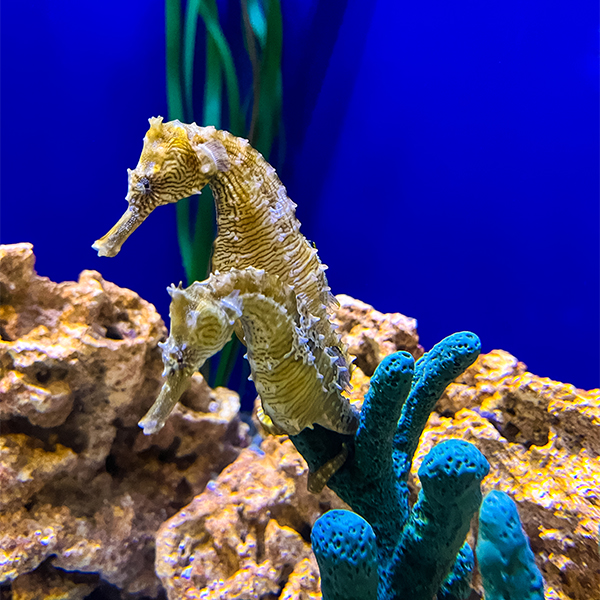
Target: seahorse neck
257, 226
253, 208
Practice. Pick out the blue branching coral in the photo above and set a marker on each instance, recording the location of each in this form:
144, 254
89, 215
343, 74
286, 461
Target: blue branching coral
506, 562
347, 553
458, 583
419, 551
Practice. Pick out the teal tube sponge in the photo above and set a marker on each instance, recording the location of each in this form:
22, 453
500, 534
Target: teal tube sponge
420, 551
506, 562
458, 584
450, 477
345, 548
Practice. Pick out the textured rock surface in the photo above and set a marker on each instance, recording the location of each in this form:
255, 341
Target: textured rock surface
542, 439
79, 365
370, 336
247, 534
50, 583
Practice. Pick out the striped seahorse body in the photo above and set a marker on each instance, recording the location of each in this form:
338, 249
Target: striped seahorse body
297, 380
256, 228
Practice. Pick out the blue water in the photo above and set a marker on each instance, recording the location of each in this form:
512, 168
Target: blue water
443, 156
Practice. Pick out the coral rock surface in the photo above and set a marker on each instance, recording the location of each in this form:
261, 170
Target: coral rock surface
80, 484
371, 336
247, 535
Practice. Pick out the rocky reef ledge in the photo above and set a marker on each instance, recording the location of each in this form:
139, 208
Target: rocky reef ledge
89, 505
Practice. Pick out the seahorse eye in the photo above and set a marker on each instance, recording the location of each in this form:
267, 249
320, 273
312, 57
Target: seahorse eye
143, 185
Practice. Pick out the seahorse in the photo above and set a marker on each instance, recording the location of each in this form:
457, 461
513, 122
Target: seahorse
256, 221
296, 379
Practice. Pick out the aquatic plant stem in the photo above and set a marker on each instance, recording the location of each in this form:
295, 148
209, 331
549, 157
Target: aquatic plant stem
208, 12
270, 79
176, 111
173, 29
252, 53
189, 51
263, 35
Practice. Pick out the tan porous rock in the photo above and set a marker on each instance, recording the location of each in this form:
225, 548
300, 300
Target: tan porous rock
542, 440
75, 357
247, 534
50, 583
26, 467
81, 486
370, 336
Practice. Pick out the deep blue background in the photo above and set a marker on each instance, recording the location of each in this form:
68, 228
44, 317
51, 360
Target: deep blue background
444, 157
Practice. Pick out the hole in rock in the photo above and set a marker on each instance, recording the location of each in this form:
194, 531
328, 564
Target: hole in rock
112, 468
43, 375
47, 437
305, 532
5, 592
366, 365
45, 372
105, 591
185, 462
183, 495
169, 455
285, 575
3, 333
113, 333
510, 432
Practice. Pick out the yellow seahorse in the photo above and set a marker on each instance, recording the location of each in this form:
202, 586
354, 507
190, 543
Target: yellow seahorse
296, 379
256, 227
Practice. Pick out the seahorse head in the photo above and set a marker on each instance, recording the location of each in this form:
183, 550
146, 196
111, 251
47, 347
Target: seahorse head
175, 163
169, 168
201, 324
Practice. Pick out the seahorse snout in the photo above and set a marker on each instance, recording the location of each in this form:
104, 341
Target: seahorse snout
177, 382
110, 244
